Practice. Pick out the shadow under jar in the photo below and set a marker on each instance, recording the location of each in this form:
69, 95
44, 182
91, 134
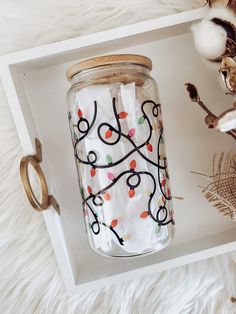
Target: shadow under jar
117, 134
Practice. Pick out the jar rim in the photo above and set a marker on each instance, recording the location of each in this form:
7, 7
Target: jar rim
108, 60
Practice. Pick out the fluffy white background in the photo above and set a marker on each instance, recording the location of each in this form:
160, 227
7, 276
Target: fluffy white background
30, 281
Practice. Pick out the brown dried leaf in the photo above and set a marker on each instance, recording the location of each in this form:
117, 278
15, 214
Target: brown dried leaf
214, 3
228, 71
232, 5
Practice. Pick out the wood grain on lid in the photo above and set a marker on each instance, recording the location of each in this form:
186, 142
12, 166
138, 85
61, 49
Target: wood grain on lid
106, 60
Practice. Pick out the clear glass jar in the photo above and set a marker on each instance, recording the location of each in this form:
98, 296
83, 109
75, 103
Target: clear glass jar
117, 134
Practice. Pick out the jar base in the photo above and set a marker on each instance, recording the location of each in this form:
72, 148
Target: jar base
131, 256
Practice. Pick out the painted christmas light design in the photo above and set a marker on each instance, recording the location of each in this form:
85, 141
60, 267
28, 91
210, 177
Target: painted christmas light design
119, 155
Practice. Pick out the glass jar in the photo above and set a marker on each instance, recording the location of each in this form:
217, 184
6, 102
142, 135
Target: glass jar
117, 134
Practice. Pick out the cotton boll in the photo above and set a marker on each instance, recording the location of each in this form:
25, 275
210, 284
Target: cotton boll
210, 39
222, 13
227, 121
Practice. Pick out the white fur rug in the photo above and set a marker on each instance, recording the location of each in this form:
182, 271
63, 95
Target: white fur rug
30, 281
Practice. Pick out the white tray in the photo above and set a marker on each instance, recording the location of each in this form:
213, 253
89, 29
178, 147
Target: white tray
36, 87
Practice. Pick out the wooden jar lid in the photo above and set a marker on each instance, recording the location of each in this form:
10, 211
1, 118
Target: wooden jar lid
106, 60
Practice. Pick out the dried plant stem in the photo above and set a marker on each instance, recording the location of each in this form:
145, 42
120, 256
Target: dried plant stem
211, 118
180, 198
203, 175
208, 177
204, 107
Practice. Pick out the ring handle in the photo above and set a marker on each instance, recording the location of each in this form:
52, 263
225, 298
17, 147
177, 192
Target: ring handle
34, 160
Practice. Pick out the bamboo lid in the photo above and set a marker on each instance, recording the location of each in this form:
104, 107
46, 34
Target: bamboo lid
106, 60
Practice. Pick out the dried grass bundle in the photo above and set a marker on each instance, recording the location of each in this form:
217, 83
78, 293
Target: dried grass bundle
221, 192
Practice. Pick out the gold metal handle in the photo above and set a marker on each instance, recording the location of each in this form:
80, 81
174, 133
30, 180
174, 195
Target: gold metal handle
34, 160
